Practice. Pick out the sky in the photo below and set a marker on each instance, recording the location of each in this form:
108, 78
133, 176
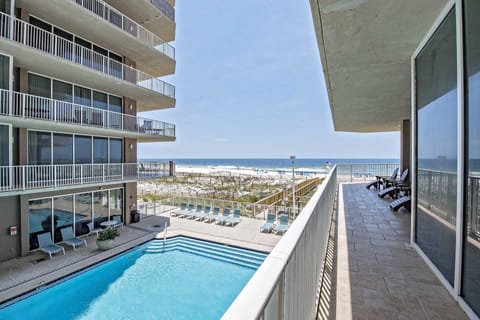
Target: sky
249, 84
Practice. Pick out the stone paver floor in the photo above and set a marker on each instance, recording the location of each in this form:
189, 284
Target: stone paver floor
378, 275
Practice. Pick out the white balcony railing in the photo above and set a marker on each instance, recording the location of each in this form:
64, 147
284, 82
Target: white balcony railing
285, 285
28, 177
364, 171
16, 104
34, 37
118, 19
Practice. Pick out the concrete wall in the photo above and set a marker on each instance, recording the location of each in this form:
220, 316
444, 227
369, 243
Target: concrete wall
130, 199
9, 216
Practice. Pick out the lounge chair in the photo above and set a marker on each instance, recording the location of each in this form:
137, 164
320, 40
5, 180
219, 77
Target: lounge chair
405, 201
70, 239
202, 215
213, 216
282, 224
92, 230
176, 213
119, 223
197, 212
46, 245
380, 180
268, 225
223, 218
189, 212
232, 221
392, 188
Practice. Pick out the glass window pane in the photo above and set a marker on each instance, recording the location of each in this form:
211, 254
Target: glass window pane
39, 86
115, 104
437, 147
116, 151
62, 148
83, 149
100, 100
100, 150
471, 247
100, 207
83, 96
5, 72
39, 148
83, 212
39, 219
4, 146
62, 215
62, 91
116, 203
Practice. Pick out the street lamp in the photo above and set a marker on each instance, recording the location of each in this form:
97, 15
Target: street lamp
293, 185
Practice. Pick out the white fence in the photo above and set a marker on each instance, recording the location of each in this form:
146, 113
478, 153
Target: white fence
285, 285
364, 171
24, 105
34, 37
17, 178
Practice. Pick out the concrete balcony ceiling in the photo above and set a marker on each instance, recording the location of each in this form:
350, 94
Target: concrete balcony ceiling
88, 25
365, 49
147, 15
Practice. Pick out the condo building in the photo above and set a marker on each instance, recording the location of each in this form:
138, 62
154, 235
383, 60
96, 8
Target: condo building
74, 75
413, 66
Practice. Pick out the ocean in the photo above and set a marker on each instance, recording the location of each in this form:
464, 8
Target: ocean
269, 164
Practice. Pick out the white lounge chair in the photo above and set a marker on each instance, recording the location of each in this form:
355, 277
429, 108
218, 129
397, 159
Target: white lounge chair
70, 239
46, 245
235, 219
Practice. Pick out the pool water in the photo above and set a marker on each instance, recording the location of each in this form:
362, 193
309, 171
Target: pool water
138, 285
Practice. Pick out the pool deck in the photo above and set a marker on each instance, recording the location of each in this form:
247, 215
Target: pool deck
24, 274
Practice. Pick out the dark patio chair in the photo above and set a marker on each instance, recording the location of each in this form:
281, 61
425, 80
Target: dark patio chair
393, 188
380, 180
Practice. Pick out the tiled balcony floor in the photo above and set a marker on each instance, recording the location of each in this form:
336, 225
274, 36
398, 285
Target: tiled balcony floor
378, 275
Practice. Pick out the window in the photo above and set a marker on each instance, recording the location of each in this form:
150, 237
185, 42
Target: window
83, 96
436, 88
116, 151
62, 91
39, 86
100, 100
83, 149
100, 150
39, 148
62, 148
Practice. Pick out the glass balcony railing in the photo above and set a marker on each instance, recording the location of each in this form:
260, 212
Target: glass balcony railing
118, 19
165, 8
34, 37
22, 105
29, 177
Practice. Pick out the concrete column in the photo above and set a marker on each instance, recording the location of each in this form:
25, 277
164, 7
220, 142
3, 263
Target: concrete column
405, 146
130, 200
22, 146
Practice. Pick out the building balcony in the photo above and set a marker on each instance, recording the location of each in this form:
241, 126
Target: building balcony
118, 33
34, 112
157, 16
40, 51
42, 178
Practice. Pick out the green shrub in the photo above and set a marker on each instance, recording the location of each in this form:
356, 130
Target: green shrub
108, 234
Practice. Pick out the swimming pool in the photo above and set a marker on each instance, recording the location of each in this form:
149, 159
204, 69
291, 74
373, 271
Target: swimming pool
186, 279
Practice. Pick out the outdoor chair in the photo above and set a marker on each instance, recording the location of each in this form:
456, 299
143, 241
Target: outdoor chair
405, 201
282, 224
268, 225
92, 229
69, 238
213, 216
204, 214
46, 245
197, 212
118, 220
178, 212
380, 180
223, 218
190, 212
392, 188
235, 219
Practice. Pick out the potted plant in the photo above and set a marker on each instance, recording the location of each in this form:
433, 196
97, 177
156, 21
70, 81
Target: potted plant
106, 237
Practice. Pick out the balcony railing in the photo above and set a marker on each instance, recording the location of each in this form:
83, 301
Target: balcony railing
28, 177
165, 8
34, 37
16, 104
364, 171
285, 285
118, 19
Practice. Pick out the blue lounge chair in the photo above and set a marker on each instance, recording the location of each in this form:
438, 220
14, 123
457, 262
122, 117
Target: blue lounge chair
202, 215
235, 219
197, 212
189, 213
282, 224
176, 213
46, 245
118, 220
92, 230
213, 216
70, 239
223, 218
268, 225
